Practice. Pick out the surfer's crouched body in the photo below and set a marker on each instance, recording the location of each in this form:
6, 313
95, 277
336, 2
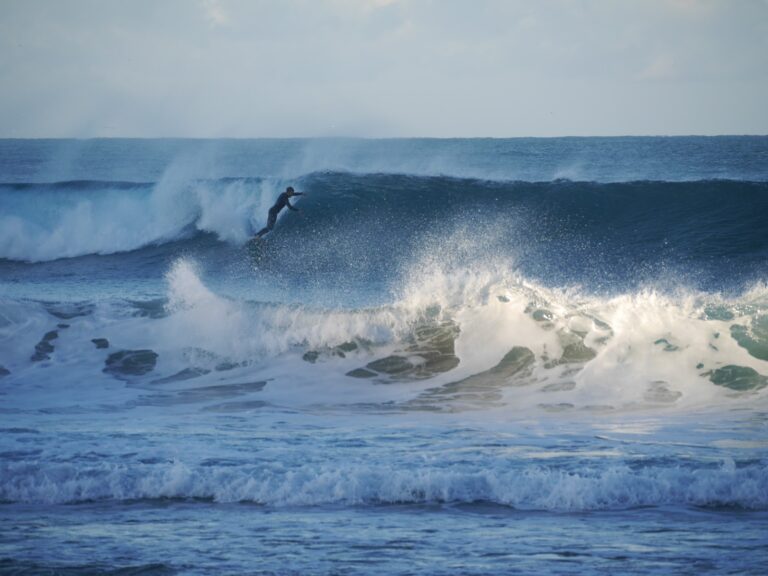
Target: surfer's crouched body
282, 202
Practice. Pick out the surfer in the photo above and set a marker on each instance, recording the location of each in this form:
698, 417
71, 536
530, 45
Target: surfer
282, 202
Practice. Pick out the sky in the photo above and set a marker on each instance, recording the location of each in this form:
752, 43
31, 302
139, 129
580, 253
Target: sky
382, 68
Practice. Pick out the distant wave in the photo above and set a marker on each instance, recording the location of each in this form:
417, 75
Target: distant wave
620, 159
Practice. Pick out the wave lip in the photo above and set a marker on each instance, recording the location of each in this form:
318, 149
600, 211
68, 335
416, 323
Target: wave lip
528, 487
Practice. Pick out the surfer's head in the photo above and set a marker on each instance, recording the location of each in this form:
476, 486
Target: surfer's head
290, 191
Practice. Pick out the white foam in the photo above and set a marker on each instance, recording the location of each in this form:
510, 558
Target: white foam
119, 220
649, 349
22, 324
254, 332
522, 486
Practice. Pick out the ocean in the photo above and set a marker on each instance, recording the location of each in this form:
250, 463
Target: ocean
470, 356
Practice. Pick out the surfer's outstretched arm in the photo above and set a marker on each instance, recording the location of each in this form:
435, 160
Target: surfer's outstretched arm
291, 206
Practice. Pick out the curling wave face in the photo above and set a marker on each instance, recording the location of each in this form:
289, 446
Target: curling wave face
602, 235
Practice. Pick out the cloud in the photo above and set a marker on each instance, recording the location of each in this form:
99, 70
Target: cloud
381, 3
215, 13
365, 4
661, 68
694, 8
253, 68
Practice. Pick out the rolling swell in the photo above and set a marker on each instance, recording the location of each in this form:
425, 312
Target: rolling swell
368, 224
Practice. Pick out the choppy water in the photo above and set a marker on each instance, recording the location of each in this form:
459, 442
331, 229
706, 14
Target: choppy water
462, 356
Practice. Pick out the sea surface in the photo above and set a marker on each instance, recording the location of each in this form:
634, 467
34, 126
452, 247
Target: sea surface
473, 356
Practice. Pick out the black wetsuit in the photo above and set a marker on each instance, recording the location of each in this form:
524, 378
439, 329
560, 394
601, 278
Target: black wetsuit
282, 202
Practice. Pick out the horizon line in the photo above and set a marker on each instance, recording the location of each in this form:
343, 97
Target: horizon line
573, 136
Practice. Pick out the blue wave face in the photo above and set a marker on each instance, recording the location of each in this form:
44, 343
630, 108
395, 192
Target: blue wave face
369, 228
609, 235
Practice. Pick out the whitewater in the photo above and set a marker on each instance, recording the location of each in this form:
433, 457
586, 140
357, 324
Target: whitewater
461, 356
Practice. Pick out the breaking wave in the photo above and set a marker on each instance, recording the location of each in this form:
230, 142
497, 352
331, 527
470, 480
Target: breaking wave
611, 228
526, 486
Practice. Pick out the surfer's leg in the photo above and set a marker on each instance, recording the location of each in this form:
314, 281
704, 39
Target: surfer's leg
270, 224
